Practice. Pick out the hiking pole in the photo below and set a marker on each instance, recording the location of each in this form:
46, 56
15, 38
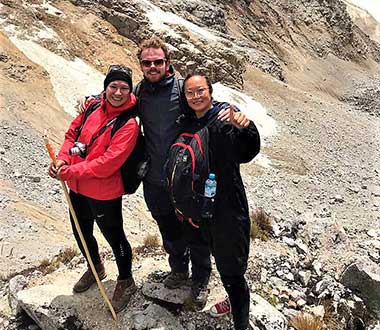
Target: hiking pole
73, 214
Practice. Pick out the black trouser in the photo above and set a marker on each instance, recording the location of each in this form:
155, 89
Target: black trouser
228, 236
175, 242
109, 219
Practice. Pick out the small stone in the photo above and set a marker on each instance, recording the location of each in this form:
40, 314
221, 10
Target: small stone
292, 304
339, 198
295, 295
289, 277
373, 233
376, 191
318, 311
275, 292
283, 297
301, 303
317, 266
17, 174
36, 179
289, 241
2, 151
304, 277
355, 189
301, 247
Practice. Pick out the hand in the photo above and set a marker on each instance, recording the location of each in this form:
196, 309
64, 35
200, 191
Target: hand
238, 119
83, 103
54, 169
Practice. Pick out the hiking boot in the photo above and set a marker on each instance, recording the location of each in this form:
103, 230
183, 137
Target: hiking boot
220, 308
88, 278
175, 280
198, 297
123, 293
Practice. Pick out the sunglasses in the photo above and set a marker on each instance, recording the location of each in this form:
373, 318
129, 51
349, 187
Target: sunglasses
148, 64
119, 68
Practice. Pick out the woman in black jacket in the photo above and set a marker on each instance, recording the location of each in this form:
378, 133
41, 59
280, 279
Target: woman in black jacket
228, 232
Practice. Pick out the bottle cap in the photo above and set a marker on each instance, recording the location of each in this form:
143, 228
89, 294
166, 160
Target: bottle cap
211, 176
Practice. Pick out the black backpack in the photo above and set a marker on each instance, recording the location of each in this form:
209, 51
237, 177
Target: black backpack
187, 169
131, 171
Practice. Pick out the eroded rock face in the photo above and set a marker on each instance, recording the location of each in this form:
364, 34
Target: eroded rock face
365, 281
266, 34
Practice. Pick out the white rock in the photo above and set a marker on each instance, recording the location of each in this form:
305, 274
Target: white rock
318, 311
16, 284
374, 233
265, 316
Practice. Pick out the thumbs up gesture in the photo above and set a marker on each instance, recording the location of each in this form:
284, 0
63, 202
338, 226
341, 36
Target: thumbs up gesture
237, 119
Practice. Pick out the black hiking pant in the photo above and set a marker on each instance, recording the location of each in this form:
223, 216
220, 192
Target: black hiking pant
109, 219
176, 243
228, 238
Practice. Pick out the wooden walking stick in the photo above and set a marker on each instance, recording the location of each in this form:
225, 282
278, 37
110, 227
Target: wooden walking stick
73, 214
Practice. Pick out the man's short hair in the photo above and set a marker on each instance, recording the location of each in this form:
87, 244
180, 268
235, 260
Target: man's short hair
154, 42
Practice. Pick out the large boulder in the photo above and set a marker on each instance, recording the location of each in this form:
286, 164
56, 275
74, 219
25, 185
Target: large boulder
364, 279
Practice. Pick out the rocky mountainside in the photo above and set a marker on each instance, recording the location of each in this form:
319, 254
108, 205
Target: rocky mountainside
365, 21
310, 64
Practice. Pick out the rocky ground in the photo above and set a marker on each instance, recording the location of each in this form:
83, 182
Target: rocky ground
321, 187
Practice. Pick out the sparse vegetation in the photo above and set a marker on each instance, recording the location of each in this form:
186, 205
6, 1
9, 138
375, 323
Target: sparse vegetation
305, 321
261, 225
330, 319
266, 292
48, 266
151, 242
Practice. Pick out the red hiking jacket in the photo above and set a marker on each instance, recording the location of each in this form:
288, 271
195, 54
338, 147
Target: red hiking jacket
97, 175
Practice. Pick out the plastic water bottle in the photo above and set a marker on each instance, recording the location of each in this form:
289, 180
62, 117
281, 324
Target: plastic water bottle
210, 186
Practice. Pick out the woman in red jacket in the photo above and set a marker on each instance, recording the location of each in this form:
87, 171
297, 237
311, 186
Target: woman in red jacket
90, 160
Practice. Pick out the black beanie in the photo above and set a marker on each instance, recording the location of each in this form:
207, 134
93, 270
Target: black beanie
118, 72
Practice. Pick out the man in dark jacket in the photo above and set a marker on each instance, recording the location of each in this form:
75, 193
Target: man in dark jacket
159, 108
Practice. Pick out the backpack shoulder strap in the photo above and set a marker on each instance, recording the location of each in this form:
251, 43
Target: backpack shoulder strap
137, 89
88, 112
122, 119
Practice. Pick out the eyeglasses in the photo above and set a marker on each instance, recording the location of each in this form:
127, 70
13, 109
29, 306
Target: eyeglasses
119, 68
200, 92
148, 64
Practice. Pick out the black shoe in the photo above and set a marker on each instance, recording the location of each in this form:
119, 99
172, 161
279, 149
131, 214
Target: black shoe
198, 297
176, 280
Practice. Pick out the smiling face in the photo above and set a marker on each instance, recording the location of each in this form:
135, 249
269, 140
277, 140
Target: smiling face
153, 64
198, 95
117, 93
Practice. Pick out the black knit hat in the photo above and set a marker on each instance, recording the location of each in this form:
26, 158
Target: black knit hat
118, 72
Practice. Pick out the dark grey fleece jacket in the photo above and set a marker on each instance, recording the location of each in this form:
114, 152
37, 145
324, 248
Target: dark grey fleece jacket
159, 107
